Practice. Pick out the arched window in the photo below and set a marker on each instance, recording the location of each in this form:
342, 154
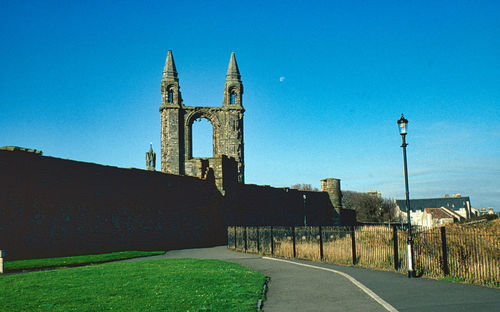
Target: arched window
170, 96
233, 98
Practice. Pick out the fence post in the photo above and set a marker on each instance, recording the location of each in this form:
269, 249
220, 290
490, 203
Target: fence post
353, 245
272, 242
293, 238
246, 238
232, 229
258, 240
396, 251
235, 237
320, 244
2, 255
446, 269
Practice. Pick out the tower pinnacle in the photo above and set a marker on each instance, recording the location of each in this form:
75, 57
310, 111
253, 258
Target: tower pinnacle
169, 71
150, 158
233, 73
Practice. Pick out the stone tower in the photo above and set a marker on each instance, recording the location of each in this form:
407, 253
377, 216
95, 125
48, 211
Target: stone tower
332, 187
150, 159
227, 123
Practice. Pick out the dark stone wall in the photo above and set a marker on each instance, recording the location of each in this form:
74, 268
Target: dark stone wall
247, 204
54, 207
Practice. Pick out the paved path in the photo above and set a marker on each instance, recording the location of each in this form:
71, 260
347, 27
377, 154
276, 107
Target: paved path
309, 286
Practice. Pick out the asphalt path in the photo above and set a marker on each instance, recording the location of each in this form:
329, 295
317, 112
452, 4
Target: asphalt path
298, 285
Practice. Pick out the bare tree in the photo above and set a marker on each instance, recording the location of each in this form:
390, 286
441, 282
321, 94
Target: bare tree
369, 207
304, 187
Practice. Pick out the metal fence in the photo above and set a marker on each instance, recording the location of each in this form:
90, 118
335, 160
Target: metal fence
471, 255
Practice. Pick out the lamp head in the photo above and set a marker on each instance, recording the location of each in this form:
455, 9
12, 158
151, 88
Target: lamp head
403, 125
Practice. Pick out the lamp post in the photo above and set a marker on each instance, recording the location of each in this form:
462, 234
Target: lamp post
305, 218
403, 127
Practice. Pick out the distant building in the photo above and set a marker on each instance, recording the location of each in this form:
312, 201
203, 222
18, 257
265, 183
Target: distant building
438, 216
483, 211
428, 212
375, 193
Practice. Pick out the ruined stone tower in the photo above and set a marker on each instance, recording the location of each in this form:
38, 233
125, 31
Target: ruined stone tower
332, 187
227, 123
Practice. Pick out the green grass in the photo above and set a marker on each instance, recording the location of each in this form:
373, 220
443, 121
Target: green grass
492, 283
18, 265
144, 285
451, 279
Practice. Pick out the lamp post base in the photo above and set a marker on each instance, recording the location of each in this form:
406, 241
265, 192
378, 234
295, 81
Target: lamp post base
410, 264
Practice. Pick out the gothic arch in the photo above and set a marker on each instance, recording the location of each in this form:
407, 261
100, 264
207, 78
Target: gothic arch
201, 112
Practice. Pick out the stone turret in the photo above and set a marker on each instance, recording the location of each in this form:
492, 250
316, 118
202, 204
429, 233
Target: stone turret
172, 159
233, 88
150, 159
332, 187
170, 90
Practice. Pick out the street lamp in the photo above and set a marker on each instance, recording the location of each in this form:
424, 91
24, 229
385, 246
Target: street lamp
403, 128
305, 218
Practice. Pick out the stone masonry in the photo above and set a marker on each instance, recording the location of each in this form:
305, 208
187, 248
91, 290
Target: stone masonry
332, 187
177, 121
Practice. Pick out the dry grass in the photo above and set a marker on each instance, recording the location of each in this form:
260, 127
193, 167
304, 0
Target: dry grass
375, 246
308, 250
337, 246
283, 248
428, 255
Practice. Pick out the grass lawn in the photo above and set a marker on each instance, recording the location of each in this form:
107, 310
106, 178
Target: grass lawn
17, 265
144, 285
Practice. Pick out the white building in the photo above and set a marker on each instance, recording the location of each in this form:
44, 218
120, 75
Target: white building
429, 212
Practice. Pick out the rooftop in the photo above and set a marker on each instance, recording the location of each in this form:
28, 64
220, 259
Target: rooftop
452, 203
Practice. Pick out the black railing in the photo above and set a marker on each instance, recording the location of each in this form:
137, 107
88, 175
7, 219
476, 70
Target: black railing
466, 254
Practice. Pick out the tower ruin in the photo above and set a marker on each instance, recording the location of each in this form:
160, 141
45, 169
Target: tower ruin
227, 123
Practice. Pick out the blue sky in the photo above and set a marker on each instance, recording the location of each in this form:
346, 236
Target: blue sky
325, 82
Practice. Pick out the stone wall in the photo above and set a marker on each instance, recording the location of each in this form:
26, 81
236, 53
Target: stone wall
220, 169
251, 205
55, 207
52, 207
